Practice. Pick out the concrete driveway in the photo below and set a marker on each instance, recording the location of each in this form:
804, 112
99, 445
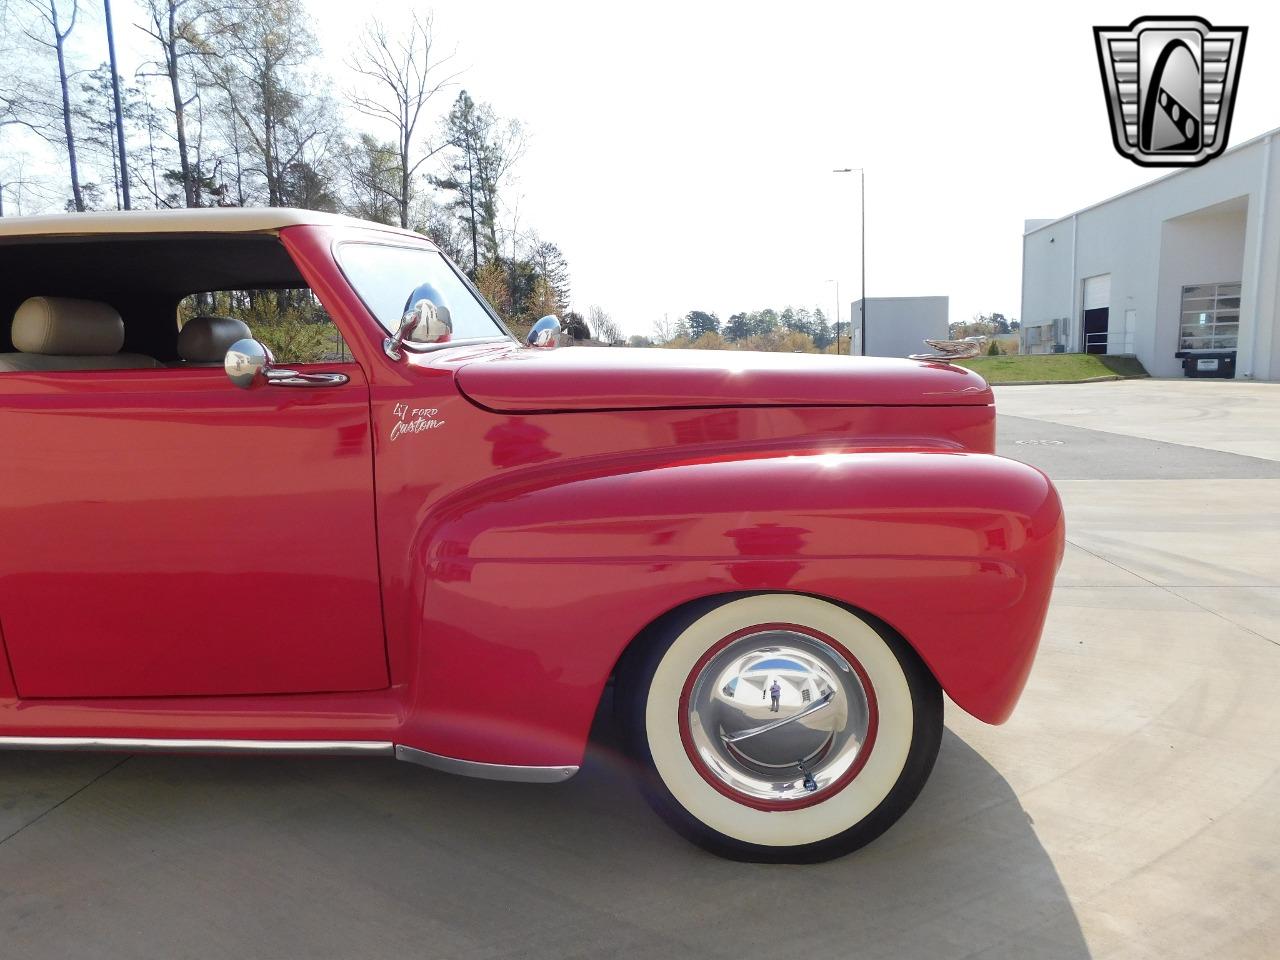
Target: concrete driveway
1131, 808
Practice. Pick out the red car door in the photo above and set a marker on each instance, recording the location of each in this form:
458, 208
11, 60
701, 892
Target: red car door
164, 533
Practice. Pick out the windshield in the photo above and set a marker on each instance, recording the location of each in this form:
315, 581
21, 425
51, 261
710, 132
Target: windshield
384, 275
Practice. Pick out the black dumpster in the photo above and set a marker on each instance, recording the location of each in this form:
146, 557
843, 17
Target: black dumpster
1218, 363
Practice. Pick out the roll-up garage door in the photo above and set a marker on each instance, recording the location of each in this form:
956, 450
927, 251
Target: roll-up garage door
1097, 292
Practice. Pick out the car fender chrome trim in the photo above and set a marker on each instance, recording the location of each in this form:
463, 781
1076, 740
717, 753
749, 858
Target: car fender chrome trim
485, 771
162, 745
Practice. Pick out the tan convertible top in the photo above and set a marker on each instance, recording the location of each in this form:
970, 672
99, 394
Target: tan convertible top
201, 220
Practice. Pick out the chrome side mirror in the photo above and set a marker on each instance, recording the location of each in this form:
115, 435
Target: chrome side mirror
545, 333
423, 322
248, 364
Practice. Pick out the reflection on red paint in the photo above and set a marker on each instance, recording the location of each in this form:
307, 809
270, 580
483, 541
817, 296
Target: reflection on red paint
467, 590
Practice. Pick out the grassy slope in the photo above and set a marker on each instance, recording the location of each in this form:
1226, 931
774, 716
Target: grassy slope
1053, 366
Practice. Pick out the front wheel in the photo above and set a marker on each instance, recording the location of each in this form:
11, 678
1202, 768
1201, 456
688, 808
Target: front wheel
780, 727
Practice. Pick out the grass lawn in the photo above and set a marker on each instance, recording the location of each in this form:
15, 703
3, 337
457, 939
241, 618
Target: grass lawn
1053, 366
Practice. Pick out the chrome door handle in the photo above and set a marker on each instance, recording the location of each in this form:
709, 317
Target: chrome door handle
292, 378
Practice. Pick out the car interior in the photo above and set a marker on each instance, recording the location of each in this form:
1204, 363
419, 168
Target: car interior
125, 302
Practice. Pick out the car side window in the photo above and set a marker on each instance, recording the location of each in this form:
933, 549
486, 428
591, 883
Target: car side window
292, 323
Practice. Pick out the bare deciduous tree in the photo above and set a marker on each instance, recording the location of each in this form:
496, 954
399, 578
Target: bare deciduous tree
604, 327
254, 56
373, 178
175, 25
16, 185
10, 76
665, 329
119, 110
405, 75
55, 26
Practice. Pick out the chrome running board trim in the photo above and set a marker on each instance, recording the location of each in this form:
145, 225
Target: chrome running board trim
154, 745
485, 771
333, 748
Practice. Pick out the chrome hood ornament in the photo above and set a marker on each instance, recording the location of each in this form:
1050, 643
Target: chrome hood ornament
952, 349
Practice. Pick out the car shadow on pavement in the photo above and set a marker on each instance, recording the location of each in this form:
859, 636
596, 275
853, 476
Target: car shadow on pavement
241, 856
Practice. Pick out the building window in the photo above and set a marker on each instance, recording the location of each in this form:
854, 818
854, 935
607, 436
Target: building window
1210, 317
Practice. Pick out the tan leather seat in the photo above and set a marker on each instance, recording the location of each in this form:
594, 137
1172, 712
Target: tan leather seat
61, 333
204, 341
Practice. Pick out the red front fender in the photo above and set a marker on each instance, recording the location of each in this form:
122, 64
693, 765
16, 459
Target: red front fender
532, 591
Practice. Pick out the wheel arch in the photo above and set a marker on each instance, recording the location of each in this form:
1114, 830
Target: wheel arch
685, 612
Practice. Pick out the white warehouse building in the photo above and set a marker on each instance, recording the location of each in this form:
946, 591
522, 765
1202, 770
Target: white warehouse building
1183, 272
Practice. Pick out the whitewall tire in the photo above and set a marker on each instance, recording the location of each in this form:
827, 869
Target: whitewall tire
779, 727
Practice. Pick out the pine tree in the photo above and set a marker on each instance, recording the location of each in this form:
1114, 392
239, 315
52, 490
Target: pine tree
483, 149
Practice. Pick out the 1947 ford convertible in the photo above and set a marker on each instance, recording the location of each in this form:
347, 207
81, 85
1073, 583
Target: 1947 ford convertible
408, 534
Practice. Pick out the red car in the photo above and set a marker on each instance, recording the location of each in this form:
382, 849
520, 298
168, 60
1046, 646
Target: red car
410, 535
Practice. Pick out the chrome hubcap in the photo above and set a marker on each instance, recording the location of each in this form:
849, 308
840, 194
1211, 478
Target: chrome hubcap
778, 716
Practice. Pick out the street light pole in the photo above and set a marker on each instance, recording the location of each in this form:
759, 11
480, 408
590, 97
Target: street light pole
862, 210
862, 246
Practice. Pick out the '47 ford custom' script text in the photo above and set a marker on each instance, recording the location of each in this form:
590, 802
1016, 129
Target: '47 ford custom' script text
414, 420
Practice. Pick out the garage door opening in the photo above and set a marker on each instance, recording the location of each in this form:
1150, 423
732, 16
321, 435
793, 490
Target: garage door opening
1095, 321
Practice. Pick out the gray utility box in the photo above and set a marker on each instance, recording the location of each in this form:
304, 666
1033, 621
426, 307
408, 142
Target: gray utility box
898, 326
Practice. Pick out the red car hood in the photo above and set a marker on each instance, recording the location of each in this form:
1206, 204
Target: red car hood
606, 378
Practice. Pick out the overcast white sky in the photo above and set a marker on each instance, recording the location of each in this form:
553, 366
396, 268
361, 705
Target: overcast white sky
681, 153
